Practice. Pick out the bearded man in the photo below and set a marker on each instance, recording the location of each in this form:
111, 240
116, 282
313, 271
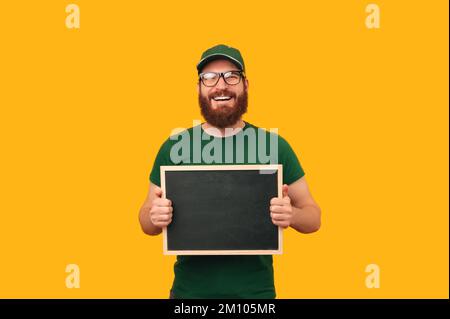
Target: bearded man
223, 98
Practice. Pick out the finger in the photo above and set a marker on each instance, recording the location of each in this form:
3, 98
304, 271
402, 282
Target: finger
163, 218
163, 224
285, 190
164, 215
162, 202
157, 219
277, 201
165, 210
161, 211
282, 224
277, 209
279, 217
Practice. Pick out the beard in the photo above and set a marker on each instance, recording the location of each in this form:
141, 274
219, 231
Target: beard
226, 116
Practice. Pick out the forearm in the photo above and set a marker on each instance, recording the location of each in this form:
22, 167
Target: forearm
307, 219
146, 224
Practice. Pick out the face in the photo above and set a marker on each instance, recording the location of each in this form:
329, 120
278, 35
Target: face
223, 104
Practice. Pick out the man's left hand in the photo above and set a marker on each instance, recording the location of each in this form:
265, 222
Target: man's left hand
281, 210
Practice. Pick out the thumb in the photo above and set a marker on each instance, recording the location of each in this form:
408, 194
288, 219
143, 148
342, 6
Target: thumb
158, 191
285, 190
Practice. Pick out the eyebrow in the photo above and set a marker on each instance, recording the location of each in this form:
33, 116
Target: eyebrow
221, 72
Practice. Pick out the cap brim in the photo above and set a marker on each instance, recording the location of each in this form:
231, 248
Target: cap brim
218, 56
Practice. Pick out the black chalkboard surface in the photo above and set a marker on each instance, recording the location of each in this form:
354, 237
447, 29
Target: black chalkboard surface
221, 209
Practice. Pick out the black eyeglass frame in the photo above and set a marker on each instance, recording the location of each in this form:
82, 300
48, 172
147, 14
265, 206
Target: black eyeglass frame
222, 75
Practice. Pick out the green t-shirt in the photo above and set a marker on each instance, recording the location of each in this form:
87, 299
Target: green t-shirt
226, 276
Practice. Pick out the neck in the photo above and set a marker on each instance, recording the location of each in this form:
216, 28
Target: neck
223, 132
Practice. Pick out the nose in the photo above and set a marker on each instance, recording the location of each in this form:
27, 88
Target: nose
221, 84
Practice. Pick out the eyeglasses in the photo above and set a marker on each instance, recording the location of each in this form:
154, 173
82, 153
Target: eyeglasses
230, 77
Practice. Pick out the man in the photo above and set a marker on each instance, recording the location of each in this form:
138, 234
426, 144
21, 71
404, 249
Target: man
222, 91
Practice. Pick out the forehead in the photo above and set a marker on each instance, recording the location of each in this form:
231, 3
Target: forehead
219, 66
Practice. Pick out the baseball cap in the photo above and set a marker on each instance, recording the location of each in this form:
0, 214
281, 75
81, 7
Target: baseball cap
221, 51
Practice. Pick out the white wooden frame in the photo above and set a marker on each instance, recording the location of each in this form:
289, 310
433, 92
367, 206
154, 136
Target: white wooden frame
269, 167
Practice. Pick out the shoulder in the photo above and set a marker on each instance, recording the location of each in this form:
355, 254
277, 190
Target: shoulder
273, 133
178, 134
178, 138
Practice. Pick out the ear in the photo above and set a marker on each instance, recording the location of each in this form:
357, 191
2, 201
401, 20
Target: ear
246, 84
198, 87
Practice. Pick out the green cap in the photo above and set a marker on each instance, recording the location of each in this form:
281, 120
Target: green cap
221, 51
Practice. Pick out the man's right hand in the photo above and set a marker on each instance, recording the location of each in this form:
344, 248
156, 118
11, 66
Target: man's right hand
161, 211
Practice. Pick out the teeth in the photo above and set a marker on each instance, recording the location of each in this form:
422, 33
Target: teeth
221, 98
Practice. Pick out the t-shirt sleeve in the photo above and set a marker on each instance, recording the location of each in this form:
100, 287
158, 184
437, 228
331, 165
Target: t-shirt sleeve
292, 169
161, 159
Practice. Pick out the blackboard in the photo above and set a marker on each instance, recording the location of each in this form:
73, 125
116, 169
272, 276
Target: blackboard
221, 209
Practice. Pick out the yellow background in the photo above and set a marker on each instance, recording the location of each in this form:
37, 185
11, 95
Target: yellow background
83, 113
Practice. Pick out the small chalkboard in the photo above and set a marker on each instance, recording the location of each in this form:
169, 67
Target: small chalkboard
221, 209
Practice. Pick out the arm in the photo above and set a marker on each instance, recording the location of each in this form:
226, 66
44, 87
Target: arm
297, 208
156, 212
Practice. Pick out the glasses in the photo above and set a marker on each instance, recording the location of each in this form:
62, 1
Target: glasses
230, 77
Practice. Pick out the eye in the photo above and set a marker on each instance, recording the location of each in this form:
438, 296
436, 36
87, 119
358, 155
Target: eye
209, 76
231, 75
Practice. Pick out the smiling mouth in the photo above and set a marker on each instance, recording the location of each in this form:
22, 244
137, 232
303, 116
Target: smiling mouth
221, 98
